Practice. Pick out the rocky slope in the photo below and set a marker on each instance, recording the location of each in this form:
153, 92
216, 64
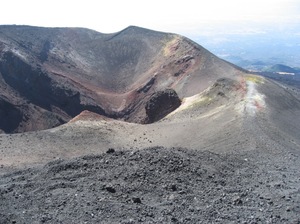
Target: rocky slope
154, 185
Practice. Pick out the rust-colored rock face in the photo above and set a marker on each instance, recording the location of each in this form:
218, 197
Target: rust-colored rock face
50, 75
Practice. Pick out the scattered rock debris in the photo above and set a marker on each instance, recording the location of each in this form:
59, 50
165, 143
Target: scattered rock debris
153, 185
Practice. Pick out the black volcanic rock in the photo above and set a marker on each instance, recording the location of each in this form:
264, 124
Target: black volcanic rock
161, 103
204, 187
10, 116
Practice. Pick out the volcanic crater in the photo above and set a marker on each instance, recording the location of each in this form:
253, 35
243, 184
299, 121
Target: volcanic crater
50, 75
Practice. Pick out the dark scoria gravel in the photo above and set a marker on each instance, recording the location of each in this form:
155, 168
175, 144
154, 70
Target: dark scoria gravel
154, 185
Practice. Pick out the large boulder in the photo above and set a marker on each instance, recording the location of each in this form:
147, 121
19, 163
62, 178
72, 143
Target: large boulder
160, 104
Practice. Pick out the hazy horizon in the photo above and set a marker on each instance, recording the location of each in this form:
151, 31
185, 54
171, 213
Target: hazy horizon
190, 18
235, 30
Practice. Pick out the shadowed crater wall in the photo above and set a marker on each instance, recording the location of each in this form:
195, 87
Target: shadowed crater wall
160, 104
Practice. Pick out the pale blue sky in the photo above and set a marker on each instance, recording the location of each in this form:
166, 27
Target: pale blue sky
186, 17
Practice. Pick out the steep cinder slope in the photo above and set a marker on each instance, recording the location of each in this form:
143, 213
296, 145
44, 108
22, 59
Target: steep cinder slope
240, 163
55, 73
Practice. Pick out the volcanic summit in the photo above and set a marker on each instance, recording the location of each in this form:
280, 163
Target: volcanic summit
141, 126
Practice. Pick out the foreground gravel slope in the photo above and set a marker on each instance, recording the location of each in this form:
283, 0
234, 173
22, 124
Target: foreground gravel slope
155, 185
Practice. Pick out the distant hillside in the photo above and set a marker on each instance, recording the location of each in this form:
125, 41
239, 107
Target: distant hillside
255, 51
282, 68
283, 74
